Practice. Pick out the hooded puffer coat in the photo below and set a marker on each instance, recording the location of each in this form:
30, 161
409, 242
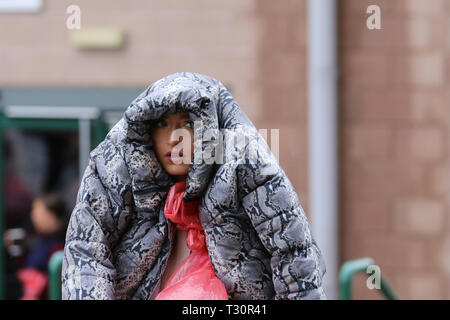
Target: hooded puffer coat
257, 234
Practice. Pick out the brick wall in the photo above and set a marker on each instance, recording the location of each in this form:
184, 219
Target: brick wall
281, 81
163, 36
394, 158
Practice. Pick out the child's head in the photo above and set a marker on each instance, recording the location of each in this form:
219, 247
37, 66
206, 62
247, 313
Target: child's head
48, 214
173, 140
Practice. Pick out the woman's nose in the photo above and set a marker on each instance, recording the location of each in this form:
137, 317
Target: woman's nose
175, 137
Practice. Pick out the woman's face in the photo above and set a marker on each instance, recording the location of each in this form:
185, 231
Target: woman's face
173, 141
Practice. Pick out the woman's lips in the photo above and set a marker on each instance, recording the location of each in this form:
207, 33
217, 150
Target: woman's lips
176, 159
169, 153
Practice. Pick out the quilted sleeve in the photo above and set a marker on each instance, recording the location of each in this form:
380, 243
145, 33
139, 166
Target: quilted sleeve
87, 270
272, 204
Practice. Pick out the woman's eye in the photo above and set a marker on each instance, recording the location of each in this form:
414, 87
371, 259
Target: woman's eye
160, 123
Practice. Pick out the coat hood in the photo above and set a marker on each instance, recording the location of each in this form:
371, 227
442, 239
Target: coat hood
206, 99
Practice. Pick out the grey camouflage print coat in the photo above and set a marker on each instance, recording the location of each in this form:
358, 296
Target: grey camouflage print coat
257, 234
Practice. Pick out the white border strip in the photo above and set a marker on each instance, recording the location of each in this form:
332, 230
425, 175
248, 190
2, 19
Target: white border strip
52, 112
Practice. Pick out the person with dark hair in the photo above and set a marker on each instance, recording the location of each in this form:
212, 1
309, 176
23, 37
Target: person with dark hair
49, 218
150, 224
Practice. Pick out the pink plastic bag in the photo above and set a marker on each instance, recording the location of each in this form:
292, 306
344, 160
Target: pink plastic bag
194, 279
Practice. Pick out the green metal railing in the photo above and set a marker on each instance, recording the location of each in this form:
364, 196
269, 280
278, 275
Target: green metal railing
346, 274
350, 268
54, 275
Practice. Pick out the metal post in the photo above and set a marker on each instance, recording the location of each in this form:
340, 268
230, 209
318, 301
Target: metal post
323, 134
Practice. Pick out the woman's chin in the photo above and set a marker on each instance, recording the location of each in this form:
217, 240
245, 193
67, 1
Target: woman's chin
177, 169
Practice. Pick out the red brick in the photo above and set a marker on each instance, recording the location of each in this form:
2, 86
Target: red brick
428, 105
276, 8
419, 216
409, 177
423, 144
426, 33
357, 7
367, 69
376, 104
427, 69
369, 216
289, 103
439, 180
369, 180
368, 141
286, 69
391, 37
394, 251
422, 286
423, 8
444, 261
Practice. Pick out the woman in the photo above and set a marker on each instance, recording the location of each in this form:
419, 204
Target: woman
256, 233
188, 273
